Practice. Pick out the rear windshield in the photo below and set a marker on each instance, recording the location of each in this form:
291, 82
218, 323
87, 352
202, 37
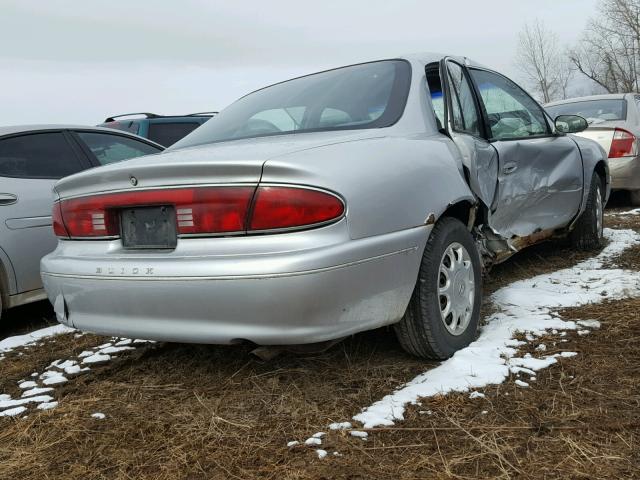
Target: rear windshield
595, 111
369, 95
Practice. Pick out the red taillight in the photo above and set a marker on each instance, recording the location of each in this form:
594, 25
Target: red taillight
623, 144
198, 210
58, 225
287, 207
201, 210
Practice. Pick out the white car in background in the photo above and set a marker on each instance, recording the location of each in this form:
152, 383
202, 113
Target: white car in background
614, 122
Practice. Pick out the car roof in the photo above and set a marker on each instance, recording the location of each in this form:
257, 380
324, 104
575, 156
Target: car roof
155, 116
13, 129
420, 58
430, 57
606, 96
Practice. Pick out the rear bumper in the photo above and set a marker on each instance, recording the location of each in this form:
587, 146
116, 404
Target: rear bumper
625, 173
293, 297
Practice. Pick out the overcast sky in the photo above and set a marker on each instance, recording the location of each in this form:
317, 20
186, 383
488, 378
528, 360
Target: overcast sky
81, 61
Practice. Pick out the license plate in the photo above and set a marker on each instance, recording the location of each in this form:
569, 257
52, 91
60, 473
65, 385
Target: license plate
149, 227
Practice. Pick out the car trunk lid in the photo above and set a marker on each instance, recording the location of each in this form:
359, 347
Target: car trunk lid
222, 163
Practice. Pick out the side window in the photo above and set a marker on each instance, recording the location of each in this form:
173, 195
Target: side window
512, 112
39, 155
464, 113
114, 148
168, 133
435, 90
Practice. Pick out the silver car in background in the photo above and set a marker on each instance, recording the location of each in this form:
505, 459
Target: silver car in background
326, 205
32, 159
614, 122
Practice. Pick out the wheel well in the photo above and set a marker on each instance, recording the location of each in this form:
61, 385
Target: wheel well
602, 173
4, 288
460, 210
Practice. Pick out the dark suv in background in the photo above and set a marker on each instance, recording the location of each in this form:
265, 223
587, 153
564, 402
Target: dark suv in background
163, 129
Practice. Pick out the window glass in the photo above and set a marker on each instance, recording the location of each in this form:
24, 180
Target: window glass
512, 113
594, 111
40, 155
168, 133
464, 112
435, 89
115, 148
370, 95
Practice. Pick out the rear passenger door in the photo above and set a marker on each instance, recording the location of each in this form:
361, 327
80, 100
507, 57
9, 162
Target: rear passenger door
540, 174
30, 164
466, 129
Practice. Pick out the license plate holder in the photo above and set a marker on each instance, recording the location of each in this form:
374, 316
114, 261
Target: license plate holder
149, 227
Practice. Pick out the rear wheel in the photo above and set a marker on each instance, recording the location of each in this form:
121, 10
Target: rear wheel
443, 314
588, 231
635, 197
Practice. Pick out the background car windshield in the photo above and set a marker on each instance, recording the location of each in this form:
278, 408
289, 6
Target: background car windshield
595, 111
369, 95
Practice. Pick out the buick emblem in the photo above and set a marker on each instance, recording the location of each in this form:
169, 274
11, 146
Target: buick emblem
134, 181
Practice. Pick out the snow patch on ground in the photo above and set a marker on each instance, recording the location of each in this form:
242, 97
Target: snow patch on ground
36, 391
524, 306
12, 412
11, 343
98, 415
589, 323
340, 426
58, 372
635, 211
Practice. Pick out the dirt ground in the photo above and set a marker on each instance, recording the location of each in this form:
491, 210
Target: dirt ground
199, 412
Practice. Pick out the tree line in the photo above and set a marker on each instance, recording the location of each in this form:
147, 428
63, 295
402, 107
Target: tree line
607, 54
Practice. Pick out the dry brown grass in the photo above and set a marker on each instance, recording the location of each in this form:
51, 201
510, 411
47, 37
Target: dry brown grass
200, 412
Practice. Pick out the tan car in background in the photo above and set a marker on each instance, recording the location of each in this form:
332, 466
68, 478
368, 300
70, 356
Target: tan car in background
614, 122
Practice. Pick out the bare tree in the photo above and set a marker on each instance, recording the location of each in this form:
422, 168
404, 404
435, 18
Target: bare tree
539, 59
609, 52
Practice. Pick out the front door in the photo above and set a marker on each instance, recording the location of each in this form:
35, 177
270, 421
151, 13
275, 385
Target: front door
30, 164
540, 175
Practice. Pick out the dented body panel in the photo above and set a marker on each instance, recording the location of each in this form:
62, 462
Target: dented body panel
540, 184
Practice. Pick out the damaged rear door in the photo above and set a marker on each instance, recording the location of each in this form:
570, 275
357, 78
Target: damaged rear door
468, 132
540, 174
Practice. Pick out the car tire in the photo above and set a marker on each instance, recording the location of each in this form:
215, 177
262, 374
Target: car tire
635, 197
450, 267
588, 231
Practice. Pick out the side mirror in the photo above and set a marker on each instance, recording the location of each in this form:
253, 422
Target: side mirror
570, 123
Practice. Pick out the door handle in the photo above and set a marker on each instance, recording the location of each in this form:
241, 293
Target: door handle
509, 168
8, 198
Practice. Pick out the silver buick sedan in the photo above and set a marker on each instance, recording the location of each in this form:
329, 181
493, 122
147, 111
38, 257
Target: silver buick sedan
369, 195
